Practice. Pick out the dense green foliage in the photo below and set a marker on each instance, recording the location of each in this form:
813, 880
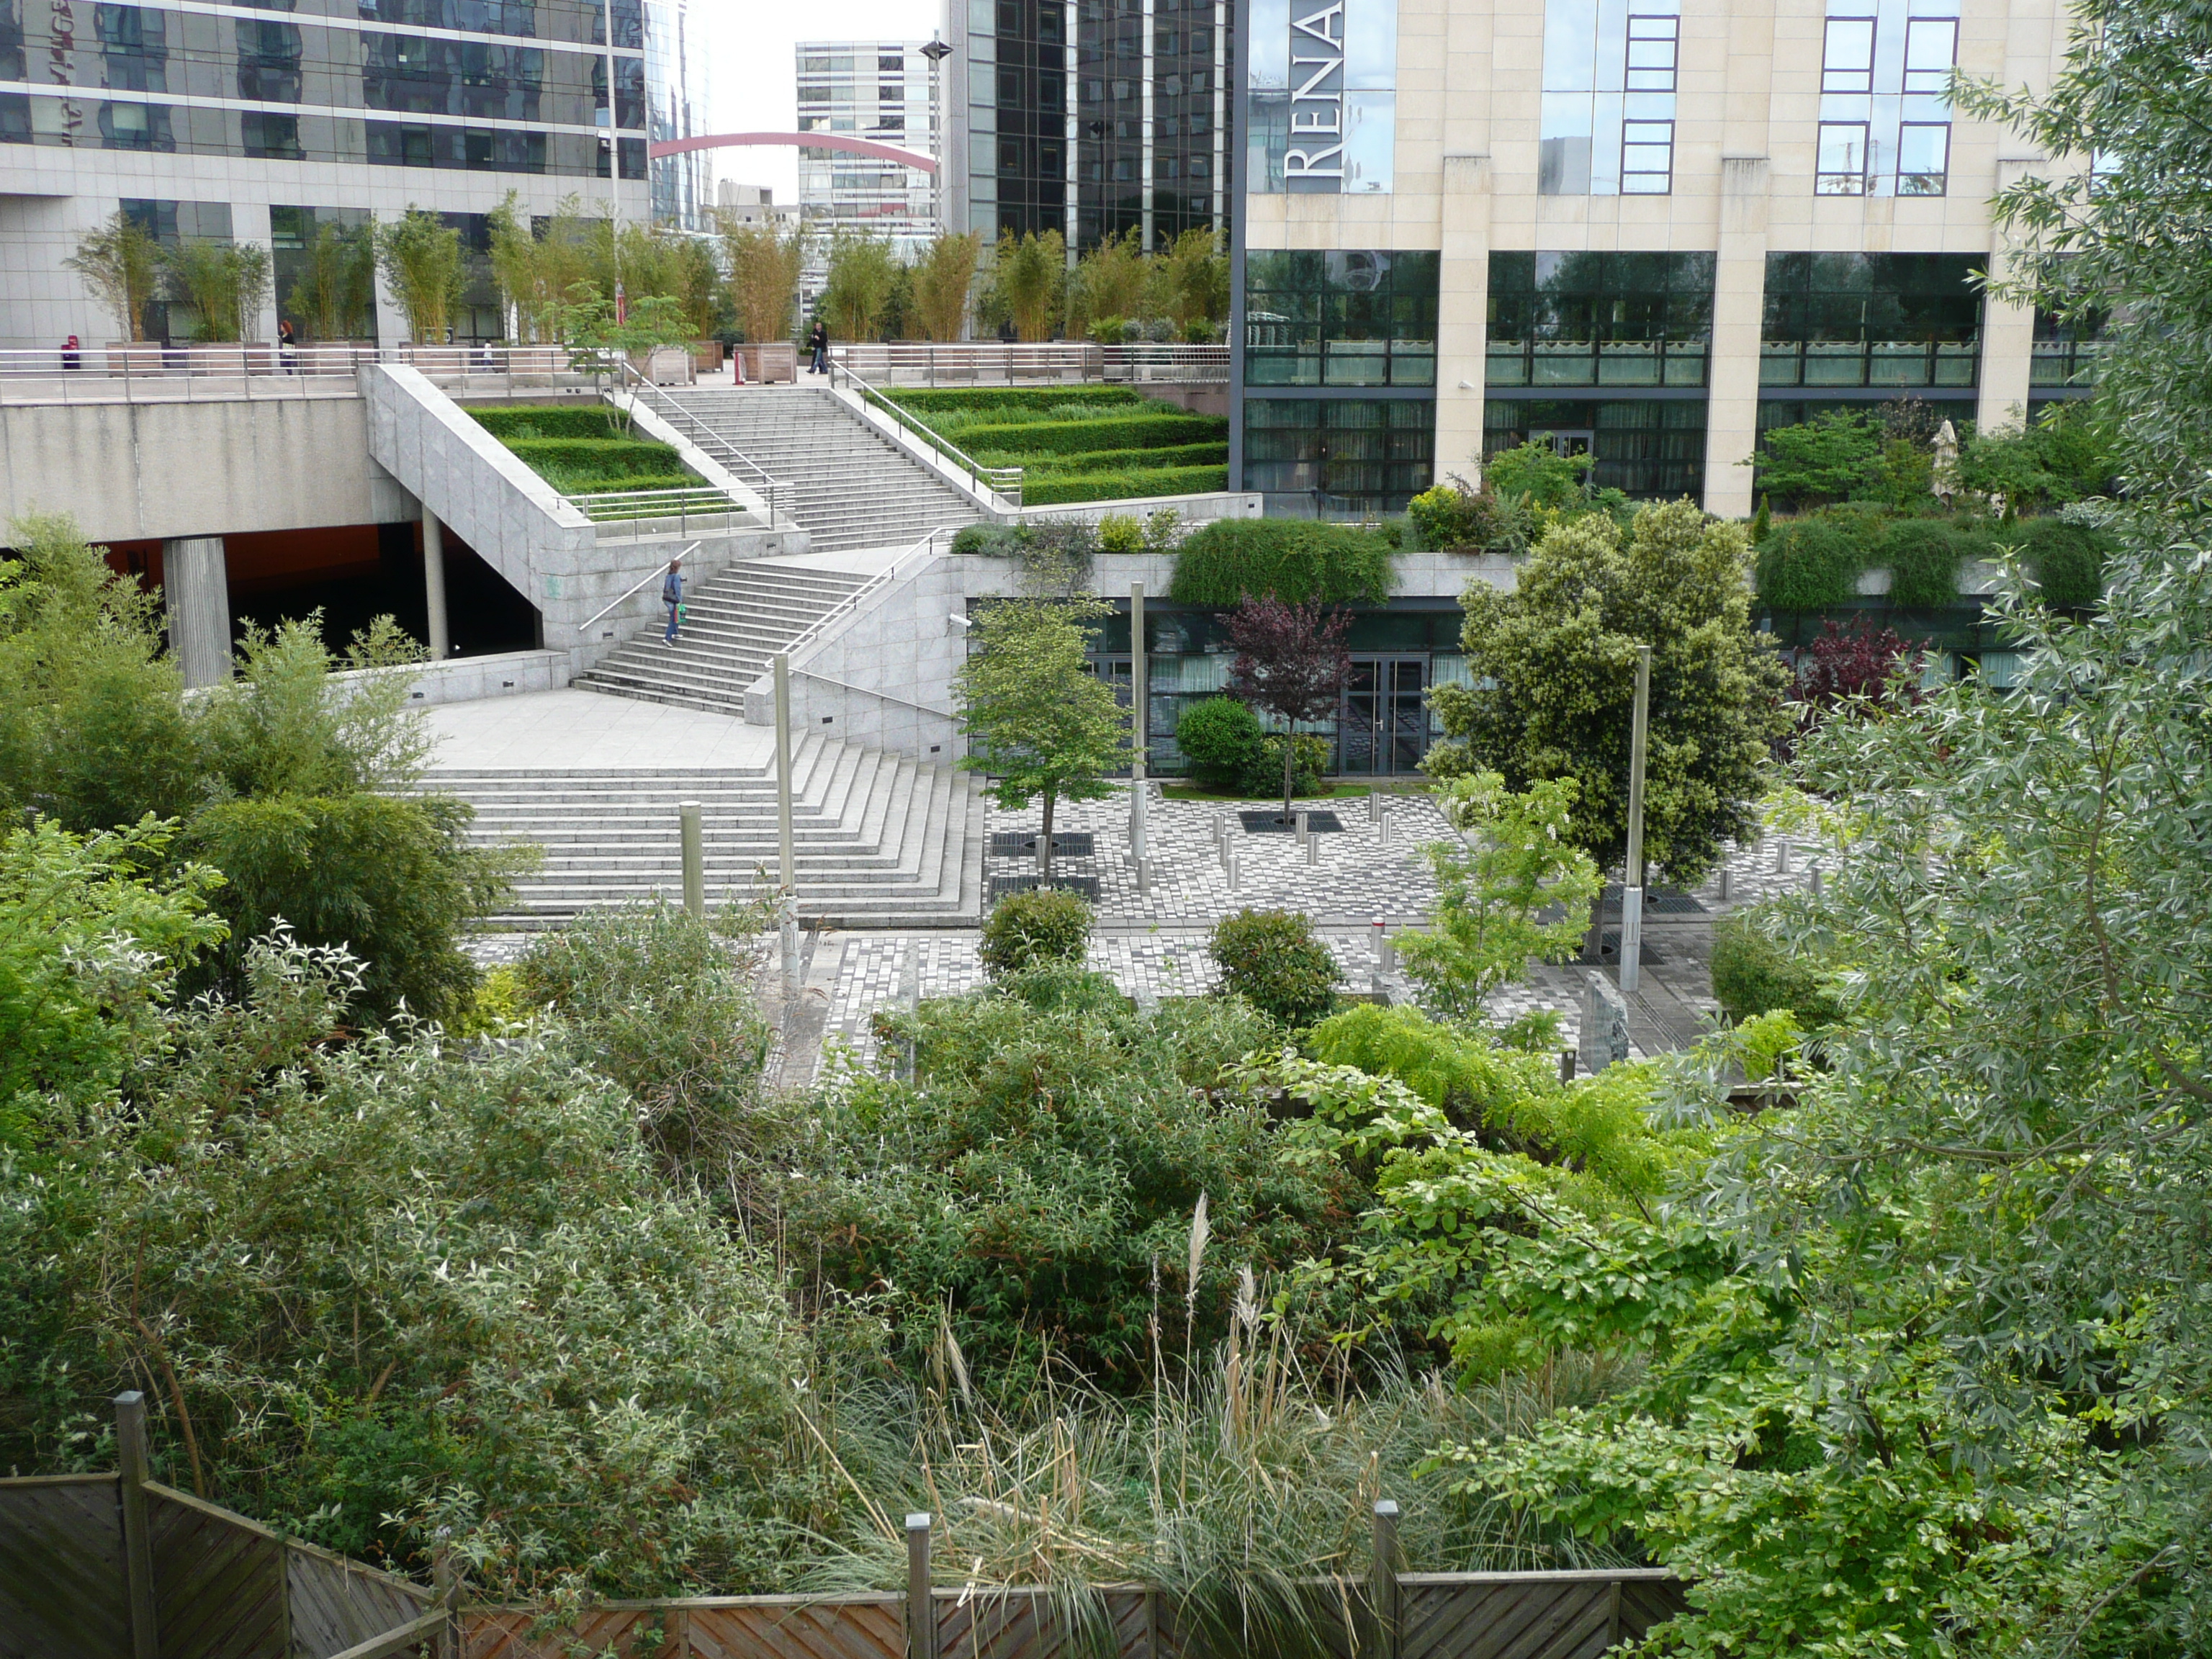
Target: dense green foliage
583, 450
1079, 443
1754, 974
1449, 518
1035, 1185
298, 786
1814, 562
1294, 560
1044, 928
1553, 663
1221, 739
1271, 959
1510, 862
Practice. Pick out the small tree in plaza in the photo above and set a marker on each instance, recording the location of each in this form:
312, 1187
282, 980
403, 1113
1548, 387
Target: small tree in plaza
942, 277
1553, 671
1290, 663
585, 322
1027, 280
764, 264
862, 273
1039, 721
421, 257
1514, 860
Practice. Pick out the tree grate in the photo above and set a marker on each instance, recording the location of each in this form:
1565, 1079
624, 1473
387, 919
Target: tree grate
1084, 886
1264, 822
1023, 843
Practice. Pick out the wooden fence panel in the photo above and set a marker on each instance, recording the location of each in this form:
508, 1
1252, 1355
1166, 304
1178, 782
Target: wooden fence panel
601, 1631
1567, 1615
218, 1581
867, 1630
62, 1586
336, 1604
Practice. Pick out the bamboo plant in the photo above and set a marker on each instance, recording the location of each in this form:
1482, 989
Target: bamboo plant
118, 264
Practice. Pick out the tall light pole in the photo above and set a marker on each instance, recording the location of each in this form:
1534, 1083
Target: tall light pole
1139, 730
937, 51
1631, 894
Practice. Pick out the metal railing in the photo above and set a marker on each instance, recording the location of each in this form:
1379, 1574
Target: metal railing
149, 372
984, 362
1004, 482
866, 590
623, 506
623, 599
734, 461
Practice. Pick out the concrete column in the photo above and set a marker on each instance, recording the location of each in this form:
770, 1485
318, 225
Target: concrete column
433, 586
196, 586
1463, 314
249, 222
2008, 330
1739, 313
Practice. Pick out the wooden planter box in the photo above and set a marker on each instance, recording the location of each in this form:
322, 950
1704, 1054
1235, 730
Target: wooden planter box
776, 361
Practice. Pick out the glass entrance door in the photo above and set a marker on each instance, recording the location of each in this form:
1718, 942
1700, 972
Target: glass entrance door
1384, 728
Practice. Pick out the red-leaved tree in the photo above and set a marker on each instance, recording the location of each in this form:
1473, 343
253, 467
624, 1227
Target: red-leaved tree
1862, 662
1291, 663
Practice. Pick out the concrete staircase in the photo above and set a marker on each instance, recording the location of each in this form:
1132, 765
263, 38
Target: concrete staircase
849, 486
733, 623
881, 841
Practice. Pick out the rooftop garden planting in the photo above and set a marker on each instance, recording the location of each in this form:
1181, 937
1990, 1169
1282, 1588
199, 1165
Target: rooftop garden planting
583, 450
1092, 443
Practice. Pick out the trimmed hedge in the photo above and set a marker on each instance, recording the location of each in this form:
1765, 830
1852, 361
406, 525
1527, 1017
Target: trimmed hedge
1810, 564
600, 483
1037, 399
1116, 461
1054, 489
606, 458
1295, 560
547, 420
1029, 438
1923, 556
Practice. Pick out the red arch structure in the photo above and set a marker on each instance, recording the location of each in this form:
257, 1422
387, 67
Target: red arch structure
846, 142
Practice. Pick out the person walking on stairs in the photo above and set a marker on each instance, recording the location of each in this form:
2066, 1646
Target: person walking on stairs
671, 595
818, 343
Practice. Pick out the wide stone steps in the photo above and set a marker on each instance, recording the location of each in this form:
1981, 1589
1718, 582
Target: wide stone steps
878, 840
847, 485
733, 625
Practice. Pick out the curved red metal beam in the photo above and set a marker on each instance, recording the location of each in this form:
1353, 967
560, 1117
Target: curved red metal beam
844, 141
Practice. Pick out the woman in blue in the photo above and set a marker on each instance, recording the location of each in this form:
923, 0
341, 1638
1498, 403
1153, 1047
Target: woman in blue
671, 595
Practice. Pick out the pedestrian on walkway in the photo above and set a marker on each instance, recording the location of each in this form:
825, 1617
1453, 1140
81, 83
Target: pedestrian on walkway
72, 359
671, 595
818, 343
288, 342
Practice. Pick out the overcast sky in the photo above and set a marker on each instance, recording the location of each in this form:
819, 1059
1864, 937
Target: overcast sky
755, 88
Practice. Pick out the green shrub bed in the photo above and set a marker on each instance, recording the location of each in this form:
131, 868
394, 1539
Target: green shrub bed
580, 451
1295, 560
1034, 439
547, 421
1054, 489
1016, 402
1114, 460
1814, 563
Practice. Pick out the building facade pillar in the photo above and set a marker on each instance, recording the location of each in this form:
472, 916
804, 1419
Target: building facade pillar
433, 587
196, 590
2008, 330
249, 222
1738, 316
1462, 315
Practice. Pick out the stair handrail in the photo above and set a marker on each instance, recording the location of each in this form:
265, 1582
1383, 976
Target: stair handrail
658, 570
875, 584
1005, 481
704, 435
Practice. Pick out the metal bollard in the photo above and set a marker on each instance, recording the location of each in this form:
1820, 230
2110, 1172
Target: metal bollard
1374, 806
1386, 954
1312, 849
1228, 862
1781, 856
1144, 877
1724, 884
1383, 829
1566, 1066
1302, 820
1814, 874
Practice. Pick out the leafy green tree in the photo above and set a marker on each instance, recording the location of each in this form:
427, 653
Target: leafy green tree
1290, 661
1194, 271
862, 273
764, 265
1039, 721
1552, 666
118, 263
1109, 280
1837, 456
1513, 861
421, 258
2066, 456
1029, 275
2119, 245
1536, 475
942, 278
224, 282
89, 950
336, 288
599, 340
377, 1288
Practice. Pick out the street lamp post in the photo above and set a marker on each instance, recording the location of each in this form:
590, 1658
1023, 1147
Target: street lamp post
1632, 895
